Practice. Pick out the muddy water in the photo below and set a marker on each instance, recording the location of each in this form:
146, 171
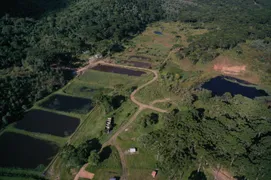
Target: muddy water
68, 104
118, 70
219, 86
46, 122
24, 152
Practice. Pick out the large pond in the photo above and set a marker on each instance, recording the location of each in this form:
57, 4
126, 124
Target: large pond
46, 122
25, 152
68, 104
118, 70
219, 85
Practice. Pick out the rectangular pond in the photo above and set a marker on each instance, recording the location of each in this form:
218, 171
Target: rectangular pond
68, 104
219, 85
118, 70
85, 90
49, 123
22, 151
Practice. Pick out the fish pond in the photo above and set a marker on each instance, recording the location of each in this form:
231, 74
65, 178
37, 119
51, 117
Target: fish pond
158, 32
118, 70
85, 90
22, 151
219, 85
49, 123
68, 104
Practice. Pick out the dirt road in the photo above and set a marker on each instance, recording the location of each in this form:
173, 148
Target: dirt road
112, 140
84, 174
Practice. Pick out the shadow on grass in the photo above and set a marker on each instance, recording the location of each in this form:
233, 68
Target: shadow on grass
105, 154
195, 175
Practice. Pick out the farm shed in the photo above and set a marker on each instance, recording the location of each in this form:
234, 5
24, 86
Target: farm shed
132, 150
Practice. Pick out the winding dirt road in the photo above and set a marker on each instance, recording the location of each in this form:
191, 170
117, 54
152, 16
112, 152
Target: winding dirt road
112, 140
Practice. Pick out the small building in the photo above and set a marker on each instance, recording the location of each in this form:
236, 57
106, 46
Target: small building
113, 178
154, 173
132, 150
108, 125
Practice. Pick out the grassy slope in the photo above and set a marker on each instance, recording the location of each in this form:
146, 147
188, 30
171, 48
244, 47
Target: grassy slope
110, 167
142, 164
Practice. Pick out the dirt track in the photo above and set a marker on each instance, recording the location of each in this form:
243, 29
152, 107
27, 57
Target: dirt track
83, 173
112, 140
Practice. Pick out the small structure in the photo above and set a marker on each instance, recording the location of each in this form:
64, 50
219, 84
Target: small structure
132, 150
113, 178
154, 173
108, 125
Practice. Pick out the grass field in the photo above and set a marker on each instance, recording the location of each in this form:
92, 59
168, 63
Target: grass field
141, 164
153, 92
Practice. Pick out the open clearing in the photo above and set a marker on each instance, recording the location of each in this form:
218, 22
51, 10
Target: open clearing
46, 122
24, 152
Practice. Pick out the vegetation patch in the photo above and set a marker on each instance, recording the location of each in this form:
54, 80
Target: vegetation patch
68, 104
112, 80
137, 64
109, 165
46, 122
25, 152
118, 70
87, 90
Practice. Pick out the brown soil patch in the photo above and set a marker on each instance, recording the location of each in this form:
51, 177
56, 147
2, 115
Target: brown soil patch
222, 175
227, 66
84, 174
